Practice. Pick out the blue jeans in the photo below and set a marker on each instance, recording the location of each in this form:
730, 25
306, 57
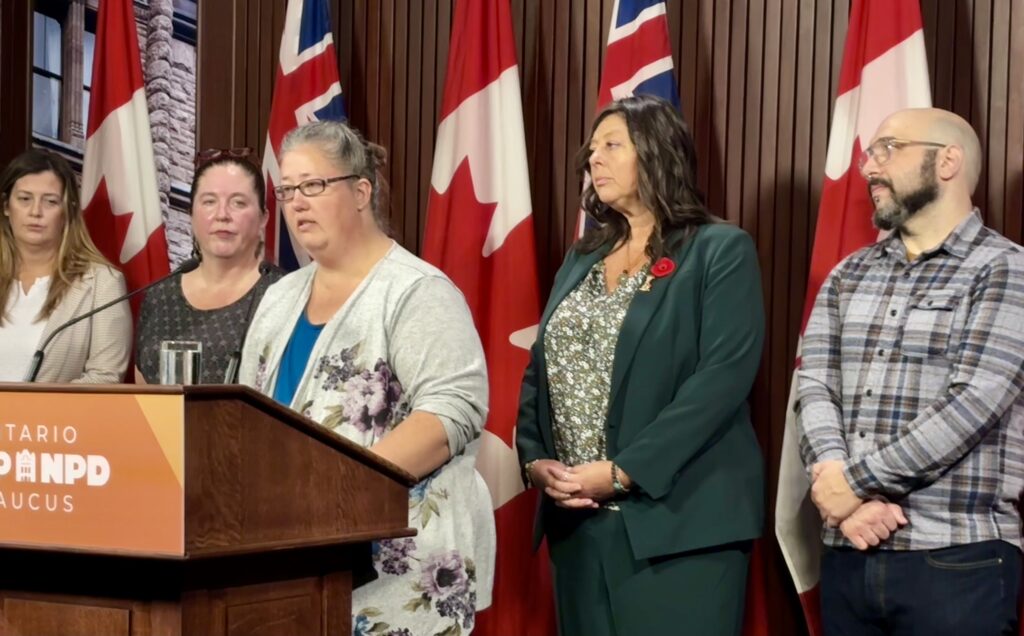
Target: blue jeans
963, 590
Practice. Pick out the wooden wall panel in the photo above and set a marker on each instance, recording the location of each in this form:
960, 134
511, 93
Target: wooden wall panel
15, 78
757, 80
1014, 184
237, 60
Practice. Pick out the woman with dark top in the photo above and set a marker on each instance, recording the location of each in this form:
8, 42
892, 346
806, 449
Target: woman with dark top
212, 304
633, 421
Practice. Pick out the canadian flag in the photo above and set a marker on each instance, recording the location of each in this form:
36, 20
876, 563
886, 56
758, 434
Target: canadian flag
884, 70
480, 233
122, 207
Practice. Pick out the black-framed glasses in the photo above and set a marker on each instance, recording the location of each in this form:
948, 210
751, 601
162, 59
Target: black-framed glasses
212, 154
309, 187
881, 150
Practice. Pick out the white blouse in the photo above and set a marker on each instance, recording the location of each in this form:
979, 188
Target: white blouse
21, 331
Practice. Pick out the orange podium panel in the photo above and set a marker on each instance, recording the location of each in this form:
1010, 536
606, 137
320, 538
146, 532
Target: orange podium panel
93, 471
167, 510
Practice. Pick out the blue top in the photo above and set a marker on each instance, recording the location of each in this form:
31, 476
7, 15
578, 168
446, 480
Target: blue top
295, 358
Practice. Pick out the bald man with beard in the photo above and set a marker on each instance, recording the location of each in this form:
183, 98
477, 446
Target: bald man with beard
910, 411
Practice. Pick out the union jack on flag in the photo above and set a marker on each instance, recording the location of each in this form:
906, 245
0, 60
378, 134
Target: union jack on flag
306, 89
637, 60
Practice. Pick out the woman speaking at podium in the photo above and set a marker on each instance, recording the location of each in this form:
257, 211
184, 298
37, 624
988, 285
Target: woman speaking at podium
379, 346
50, 273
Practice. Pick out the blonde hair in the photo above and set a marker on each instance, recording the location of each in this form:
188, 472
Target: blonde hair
76, 253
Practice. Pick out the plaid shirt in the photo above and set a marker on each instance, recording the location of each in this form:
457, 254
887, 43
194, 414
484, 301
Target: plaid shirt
912, 375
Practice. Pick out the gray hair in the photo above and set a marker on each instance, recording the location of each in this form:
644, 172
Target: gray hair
346, 148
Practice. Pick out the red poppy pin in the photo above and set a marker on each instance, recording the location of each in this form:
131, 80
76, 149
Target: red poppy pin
662, 268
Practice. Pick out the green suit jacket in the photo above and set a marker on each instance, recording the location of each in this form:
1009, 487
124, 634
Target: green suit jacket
678, 422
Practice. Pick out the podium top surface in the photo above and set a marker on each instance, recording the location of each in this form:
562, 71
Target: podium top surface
184, 471
227, 392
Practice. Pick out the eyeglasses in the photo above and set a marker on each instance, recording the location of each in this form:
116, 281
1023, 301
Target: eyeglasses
309, 187
881, 150
212, 154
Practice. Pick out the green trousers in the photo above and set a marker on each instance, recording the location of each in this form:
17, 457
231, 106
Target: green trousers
601, 590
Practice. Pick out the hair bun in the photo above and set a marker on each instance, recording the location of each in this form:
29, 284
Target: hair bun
377, 155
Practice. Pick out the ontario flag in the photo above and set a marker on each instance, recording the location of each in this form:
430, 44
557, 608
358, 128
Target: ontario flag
884, 70
637, 59
122, 204
306, 89
480, 233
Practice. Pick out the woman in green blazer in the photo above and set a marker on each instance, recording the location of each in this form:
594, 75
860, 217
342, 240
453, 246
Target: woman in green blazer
633, 419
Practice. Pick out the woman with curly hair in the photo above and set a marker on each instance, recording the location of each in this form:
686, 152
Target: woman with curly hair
633, 420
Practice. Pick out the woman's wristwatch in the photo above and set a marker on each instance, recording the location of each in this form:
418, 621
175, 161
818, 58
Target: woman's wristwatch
528, 472
617, 486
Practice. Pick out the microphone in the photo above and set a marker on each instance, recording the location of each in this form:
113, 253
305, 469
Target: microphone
231, 374
37, 358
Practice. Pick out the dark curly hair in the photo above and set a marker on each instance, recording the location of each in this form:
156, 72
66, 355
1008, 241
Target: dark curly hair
666, 180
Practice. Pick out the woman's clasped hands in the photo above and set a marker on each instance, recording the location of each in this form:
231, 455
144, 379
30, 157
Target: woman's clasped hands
583, 486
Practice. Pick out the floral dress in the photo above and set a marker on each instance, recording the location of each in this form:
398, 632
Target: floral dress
403, 342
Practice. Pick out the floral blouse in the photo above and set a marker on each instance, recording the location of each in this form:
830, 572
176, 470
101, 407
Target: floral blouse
579, 345
404, 341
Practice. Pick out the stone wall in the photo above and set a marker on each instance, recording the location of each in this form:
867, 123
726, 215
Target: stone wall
172, 105
183, 124
182, 141
182, 146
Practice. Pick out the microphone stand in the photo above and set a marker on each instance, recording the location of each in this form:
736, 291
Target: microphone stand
37, 357
234, 361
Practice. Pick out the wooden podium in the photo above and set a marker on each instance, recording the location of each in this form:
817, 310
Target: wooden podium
204, 510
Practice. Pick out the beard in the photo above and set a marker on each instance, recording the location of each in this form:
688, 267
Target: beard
901, 207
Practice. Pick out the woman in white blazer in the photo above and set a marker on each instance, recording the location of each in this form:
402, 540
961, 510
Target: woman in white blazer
51, 272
